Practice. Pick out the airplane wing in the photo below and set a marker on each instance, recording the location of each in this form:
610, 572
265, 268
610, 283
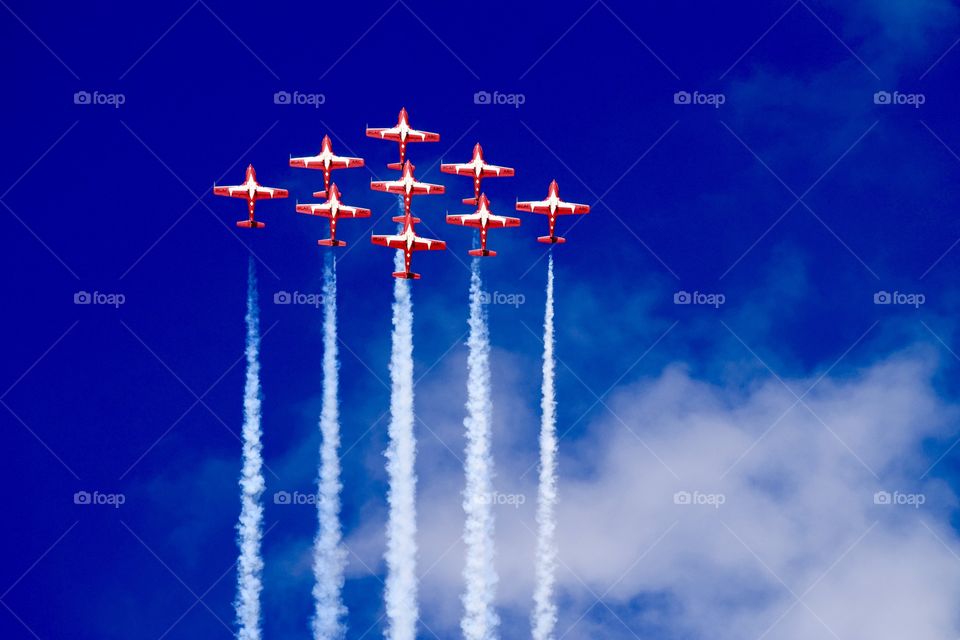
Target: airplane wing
492, 170
421, 188
457, 169
316, 162
427, 244
534, 206
315, 209
344, 162
468, 220
501, 222
325, 210
345, 211
238, 191
384, 133
423, 136
269, 193
307, 162
486, 170
394, 242
567, 208
390, 186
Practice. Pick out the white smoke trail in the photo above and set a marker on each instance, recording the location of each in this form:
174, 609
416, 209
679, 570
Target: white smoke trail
329, 555
401, 554
250, 527
480, 620
545, 611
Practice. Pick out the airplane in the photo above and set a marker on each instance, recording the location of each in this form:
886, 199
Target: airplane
403, 134
478, 169
407, 186
483, 219
326, 161
334, 210
252, 191
552, 206
408, 241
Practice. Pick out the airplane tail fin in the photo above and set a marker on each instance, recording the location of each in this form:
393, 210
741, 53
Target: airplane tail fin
551, 240
395, 165
250, 224
406, 275
319, 194
482, 252
329, 242
413, 219
469, 201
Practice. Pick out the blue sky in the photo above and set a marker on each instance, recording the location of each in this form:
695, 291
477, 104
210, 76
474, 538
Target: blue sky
798, 199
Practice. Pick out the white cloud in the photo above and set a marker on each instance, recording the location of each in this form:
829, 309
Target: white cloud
798, 510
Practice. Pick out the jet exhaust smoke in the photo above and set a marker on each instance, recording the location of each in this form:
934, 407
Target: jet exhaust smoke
401, 554
329, 555
545, 610
480, 620
250, 526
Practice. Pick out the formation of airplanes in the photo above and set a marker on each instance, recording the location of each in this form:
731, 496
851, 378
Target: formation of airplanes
406, 239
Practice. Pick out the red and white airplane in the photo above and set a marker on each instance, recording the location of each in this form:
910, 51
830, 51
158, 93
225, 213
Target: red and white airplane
326, 161
478, 169
334, 210
403, 134
408, 241
483, 219
552, 207
407, 186
251, 191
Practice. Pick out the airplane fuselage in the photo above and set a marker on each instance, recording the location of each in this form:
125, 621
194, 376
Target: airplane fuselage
250, 186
